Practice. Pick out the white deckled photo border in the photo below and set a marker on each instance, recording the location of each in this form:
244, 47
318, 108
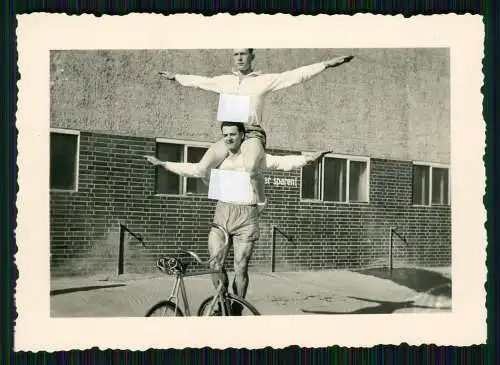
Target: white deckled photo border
39, 33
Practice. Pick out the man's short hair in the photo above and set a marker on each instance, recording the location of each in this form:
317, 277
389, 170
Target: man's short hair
240, 126
250, 50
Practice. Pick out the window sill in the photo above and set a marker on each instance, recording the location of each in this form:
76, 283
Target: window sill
332, 202
182, 195
63, 191
431, 205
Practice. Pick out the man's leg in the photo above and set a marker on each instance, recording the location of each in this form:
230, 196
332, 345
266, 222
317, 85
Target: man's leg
246, 231
215, 244
244, 220
253, 153
242, 254
214, 156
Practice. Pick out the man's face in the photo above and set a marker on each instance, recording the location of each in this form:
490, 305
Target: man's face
243, 59
232, 138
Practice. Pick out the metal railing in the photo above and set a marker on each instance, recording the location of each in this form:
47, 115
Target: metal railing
121, 248
394, 232
273, 247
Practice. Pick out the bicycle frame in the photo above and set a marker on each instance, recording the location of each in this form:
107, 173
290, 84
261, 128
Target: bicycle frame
218, 296
179, 286
174, 295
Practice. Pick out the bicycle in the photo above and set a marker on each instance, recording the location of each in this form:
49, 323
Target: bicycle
221, 303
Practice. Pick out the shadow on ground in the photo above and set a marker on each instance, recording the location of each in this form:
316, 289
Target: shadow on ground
382, 307
417, 279
82, 288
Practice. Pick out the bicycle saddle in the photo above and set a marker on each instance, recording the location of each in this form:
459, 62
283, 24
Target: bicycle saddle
170, 265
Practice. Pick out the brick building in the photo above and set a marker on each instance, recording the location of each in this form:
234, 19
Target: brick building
386, 116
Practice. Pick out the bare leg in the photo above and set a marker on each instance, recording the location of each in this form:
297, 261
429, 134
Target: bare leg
215, 243
211, 159
242, 254
253, 154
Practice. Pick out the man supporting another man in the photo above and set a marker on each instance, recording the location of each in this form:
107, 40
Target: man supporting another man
239, 218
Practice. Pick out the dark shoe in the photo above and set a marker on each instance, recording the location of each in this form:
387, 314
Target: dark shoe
236, 309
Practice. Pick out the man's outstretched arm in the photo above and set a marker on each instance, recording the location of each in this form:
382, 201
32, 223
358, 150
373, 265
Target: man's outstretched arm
186, 169
291, 162
201, 82
270, 162
289, 78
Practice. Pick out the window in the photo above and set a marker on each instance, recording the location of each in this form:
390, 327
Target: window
430, 184
195, 186
311, 181
64, 150
336, 178
176, 151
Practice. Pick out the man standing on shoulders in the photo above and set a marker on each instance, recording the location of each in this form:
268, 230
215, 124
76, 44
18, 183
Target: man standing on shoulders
244, 85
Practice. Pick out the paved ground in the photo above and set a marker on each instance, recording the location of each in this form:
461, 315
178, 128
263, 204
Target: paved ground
322, 292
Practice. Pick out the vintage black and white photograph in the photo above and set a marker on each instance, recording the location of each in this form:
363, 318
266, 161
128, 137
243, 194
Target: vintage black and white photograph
268, 181
353, 151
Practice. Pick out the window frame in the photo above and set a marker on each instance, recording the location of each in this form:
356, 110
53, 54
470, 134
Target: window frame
183, 180
76, 173
431, 166
348, 159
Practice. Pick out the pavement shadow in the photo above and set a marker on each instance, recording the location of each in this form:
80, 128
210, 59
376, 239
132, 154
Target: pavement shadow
417, 279
383, 307
82, 288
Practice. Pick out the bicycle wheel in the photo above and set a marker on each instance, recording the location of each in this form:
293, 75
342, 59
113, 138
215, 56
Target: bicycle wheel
164, 308
239, 307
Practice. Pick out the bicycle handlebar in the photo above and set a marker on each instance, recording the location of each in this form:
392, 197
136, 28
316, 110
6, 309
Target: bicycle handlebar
224, 232
195, 256
210, 259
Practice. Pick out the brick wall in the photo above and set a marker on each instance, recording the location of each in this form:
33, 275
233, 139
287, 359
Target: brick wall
116, 186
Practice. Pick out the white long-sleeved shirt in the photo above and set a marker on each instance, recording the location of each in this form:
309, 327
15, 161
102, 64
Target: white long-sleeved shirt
255, 85
234, 162
283, 163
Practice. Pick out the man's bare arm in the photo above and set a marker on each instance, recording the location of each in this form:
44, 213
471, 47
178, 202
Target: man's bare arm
337, 61
168, 75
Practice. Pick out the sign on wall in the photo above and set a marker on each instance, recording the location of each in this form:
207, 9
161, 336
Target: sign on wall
281, 181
